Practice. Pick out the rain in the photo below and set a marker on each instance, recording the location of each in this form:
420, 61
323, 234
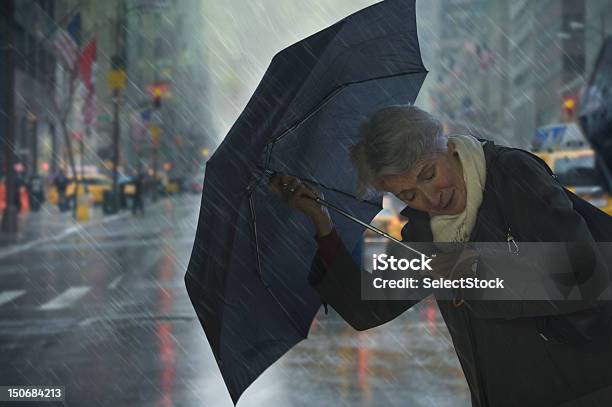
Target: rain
109, 114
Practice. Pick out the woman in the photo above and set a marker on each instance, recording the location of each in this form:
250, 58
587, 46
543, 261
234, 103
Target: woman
460, 189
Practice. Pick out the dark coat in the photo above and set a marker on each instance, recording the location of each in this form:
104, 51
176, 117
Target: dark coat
506, 358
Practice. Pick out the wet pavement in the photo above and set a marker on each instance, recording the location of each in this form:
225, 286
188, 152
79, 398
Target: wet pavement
104, 312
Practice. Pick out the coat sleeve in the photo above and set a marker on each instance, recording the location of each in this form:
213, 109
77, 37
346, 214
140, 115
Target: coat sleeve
339, 285
539, 210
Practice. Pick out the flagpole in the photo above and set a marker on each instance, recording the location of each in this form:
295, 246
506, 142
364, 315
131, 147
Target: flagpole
118, 66
82, 152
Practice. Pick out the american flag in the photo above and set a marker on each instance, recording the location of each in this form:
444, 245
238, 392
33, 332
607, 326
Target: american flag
89, 110
65, 42
87, 70
87, 63
139, 122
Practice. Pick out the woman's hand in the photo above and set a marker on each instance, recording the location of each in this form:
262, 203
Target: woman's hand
455, 265
300, 196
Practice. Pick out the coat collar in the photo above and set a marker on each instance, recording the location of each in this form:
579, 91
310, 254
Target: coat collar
418, 228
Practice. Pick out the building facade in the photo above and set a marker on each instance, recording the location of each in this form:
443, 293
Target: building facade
164, 50
508, 67
471, 92
35, 137
598, 24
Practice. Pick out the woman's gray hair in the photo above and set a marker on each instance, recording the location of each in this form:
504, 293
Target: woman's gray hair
392, 140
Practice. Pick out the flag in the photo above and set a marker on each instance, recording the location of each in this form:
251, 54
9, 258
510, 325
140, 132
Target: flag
87, 73
87, 60
146, 115
89, 109
65, 42
139, 122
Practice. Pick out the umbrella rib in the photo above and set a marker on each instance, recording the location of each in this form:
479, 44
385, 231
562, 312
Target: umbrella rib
254, 231
343, 193
348, 195
331, 95
259, 268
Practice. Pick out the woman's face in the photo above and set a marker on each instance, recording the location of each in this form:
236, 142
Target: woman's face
434, 185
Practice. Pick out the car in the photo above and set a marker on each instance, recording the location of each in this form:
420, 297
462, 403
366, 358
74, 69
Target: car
173, 186
129, 189
580, 172
195, 184
176, 185
96, 185
389, 221
126, 184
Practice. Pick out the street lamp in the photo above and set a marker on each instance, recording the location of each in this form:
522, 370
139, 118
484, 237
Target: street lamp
117, 78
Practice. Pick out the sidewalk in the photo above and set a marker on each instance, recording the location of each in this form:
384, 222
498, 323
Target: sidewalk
49, 224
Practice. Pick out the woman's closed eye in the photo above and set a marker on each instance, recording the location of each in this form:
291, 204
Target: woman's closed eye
431, 172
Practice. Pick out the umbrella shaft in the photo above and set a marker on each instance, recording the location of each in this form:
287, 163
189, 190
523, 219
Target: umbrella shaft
372, 228
341, 211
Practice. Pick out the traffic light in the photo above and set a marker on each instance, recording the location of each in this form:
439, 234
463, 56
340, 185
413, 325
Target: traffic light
157, 93
569, 107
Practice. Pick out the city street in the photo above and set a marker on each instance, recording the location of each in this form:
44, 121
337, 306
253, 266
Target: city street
117, 116
104, 312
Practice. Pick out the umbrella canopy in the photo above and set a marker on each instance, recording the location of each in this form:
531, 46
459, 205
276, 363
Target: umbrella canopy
247, 276
125, 179
596, 105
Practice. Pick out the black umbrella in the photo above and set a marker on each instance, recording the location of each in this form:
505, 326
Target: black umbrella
596, 104
247, 276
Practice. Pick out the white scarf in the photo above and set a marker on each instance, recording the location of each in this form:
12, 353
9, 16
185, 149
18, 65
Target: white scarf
457, 228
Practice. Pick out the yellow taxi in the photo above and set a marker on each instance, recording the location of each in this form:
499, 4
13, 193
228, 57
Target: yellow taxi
96, 185
578, 171
388, 220
129, 189
172, 187
175, 185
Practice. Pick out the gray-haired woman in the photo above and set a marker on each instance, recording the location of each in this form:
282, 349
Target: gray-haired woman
463, 189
